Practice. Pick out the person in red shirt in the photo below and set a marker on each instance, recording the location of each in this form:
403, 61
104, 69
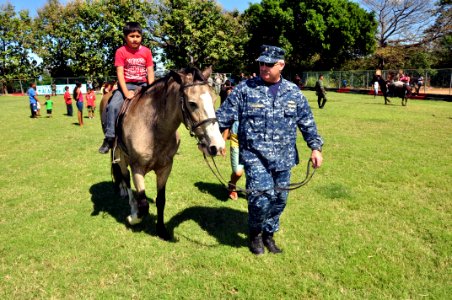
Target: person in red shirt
134, 68
68, 101
90, 102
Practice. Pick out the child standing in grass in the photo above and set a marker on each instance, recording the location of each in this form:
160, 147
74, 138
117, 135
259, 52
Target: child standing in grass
237, 168
68, 101
49, 106
90, 102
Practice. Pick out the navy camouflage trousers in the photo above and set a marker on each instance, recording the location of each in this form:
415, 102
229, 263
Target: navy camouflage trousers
265, 208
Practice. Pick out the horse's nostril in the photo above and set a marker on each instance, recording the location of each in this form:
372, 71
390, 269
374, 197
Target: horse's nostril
213, 150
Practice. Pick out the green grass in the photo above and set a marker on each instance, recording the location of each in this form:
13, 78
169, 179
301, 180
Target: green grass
373, 223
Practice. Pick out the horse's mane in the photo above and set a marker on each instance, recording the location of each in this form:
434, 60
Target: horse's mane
196, 73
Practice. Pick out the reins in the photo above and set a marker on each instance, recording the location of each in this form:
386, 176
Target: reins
292, 186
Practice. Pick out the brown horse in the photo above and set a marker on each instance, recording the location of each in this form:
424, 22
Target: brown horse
148, 138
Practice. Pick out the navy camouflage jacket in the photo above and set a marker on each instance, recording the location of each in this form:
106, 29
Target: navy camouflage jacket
268, 125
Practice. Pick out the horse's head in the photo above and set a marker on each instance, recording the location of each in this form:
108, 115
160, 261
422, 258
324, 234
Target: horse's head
197, 104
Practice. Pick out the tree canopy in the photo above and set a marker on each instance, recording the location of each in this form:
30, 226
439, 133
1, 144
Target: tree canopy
319, 34
16, 45
79, 38
198, 32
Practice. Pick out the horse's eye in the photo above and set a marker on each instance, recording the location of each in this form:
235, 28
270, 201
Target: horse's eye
193, 105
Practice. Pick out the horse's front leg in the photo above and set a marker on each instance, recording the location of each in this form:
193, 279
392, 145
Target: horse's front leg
162, 177
139, 207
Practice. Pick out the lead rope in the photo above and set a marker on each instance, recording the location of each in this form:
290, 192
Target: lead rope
292, 186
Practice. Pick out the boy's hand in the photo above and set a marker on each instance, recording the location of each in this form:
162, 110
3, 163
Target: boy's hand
129, 94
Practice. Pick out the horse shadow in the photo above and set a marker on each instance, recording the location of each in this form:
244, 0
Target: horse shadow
228, 226
106, 201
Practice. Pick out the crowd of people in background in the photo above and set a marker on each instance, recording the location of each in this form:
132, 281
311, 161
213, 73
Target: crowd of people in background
76, 96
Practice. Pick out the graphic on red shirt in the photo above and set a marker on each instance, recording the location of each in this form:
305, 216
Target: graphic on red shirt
67, 97
134, 62
90, 99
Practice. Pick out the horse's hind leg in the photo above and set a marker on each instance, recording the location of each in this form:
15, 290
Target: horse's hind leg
404, 101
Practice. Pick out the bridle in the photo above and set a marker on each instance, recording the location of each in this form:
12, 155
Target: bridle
187, 119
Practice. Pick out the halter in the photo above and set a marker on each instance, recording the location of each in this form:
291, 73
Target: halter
188, 121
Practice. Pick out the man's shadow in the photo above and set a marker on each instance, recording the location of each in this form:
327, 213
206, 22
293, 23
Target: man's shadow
226, 225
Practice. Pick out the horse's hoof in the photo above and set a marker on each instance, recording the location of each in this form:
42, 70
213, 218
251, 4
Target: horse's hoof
163, 233
133, 219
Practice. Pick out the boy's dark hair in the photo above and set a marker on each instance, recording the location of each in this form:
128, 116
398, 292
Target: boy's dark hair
132, 27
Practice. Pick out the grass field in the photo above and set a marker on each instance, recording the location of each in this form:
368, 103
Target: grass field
373, 223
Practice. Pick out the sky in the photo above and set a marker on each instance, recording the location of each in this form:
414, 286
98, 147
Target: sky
34, 5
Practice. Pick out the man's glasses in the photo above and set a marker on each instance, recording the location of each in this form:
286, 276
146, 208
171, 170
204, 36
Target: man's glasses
269, 65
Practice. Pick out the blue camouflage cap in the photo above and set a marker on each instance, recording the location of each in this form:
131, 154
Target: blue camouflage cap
271, 54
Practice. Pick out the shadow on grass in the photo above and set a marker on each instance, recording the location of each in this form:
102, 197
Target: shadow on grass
217, 190
224, 224
106, 201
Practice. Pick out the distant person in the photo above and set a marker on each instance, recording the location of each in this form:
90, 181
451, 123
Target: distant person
320, 92
297, 81
225, 89
53, 86
33, 98
376, 86
344, 83
68, 101
78, 97
134, 68
91, 103
49, 106
420, 83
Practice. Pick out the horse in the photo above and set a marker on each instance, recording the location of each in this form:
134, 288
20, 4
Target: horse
147, 137
401, 90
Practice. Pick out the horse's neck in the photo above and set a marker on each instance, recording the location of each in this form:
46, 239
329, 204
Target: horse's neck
172, 112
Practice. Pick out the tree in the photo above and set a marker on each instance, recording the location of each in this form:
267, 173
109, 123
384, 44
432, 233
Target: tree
197, 32
16, 61
401, 21
319, 34
405, 31
80, 39
441, 34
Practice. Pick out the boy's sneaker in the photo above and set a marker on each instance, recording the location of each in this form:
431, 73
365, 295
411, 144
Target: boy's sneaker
233, 195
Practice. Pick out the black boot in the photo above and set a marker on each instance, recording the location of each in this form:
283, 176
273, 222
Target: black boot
256, 246
269, 242
106, 145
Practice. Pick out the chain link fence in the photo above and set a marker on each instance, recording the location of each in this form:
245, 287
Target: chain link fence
20, 86
436, 81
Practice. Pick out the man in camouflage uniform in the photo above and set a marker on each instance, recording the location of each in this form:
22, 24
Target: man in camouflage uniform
269, 109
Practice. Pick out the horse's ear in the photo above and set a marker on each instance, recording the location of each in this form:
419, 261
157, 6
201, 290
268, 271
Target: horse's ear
207, 72
175, 76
